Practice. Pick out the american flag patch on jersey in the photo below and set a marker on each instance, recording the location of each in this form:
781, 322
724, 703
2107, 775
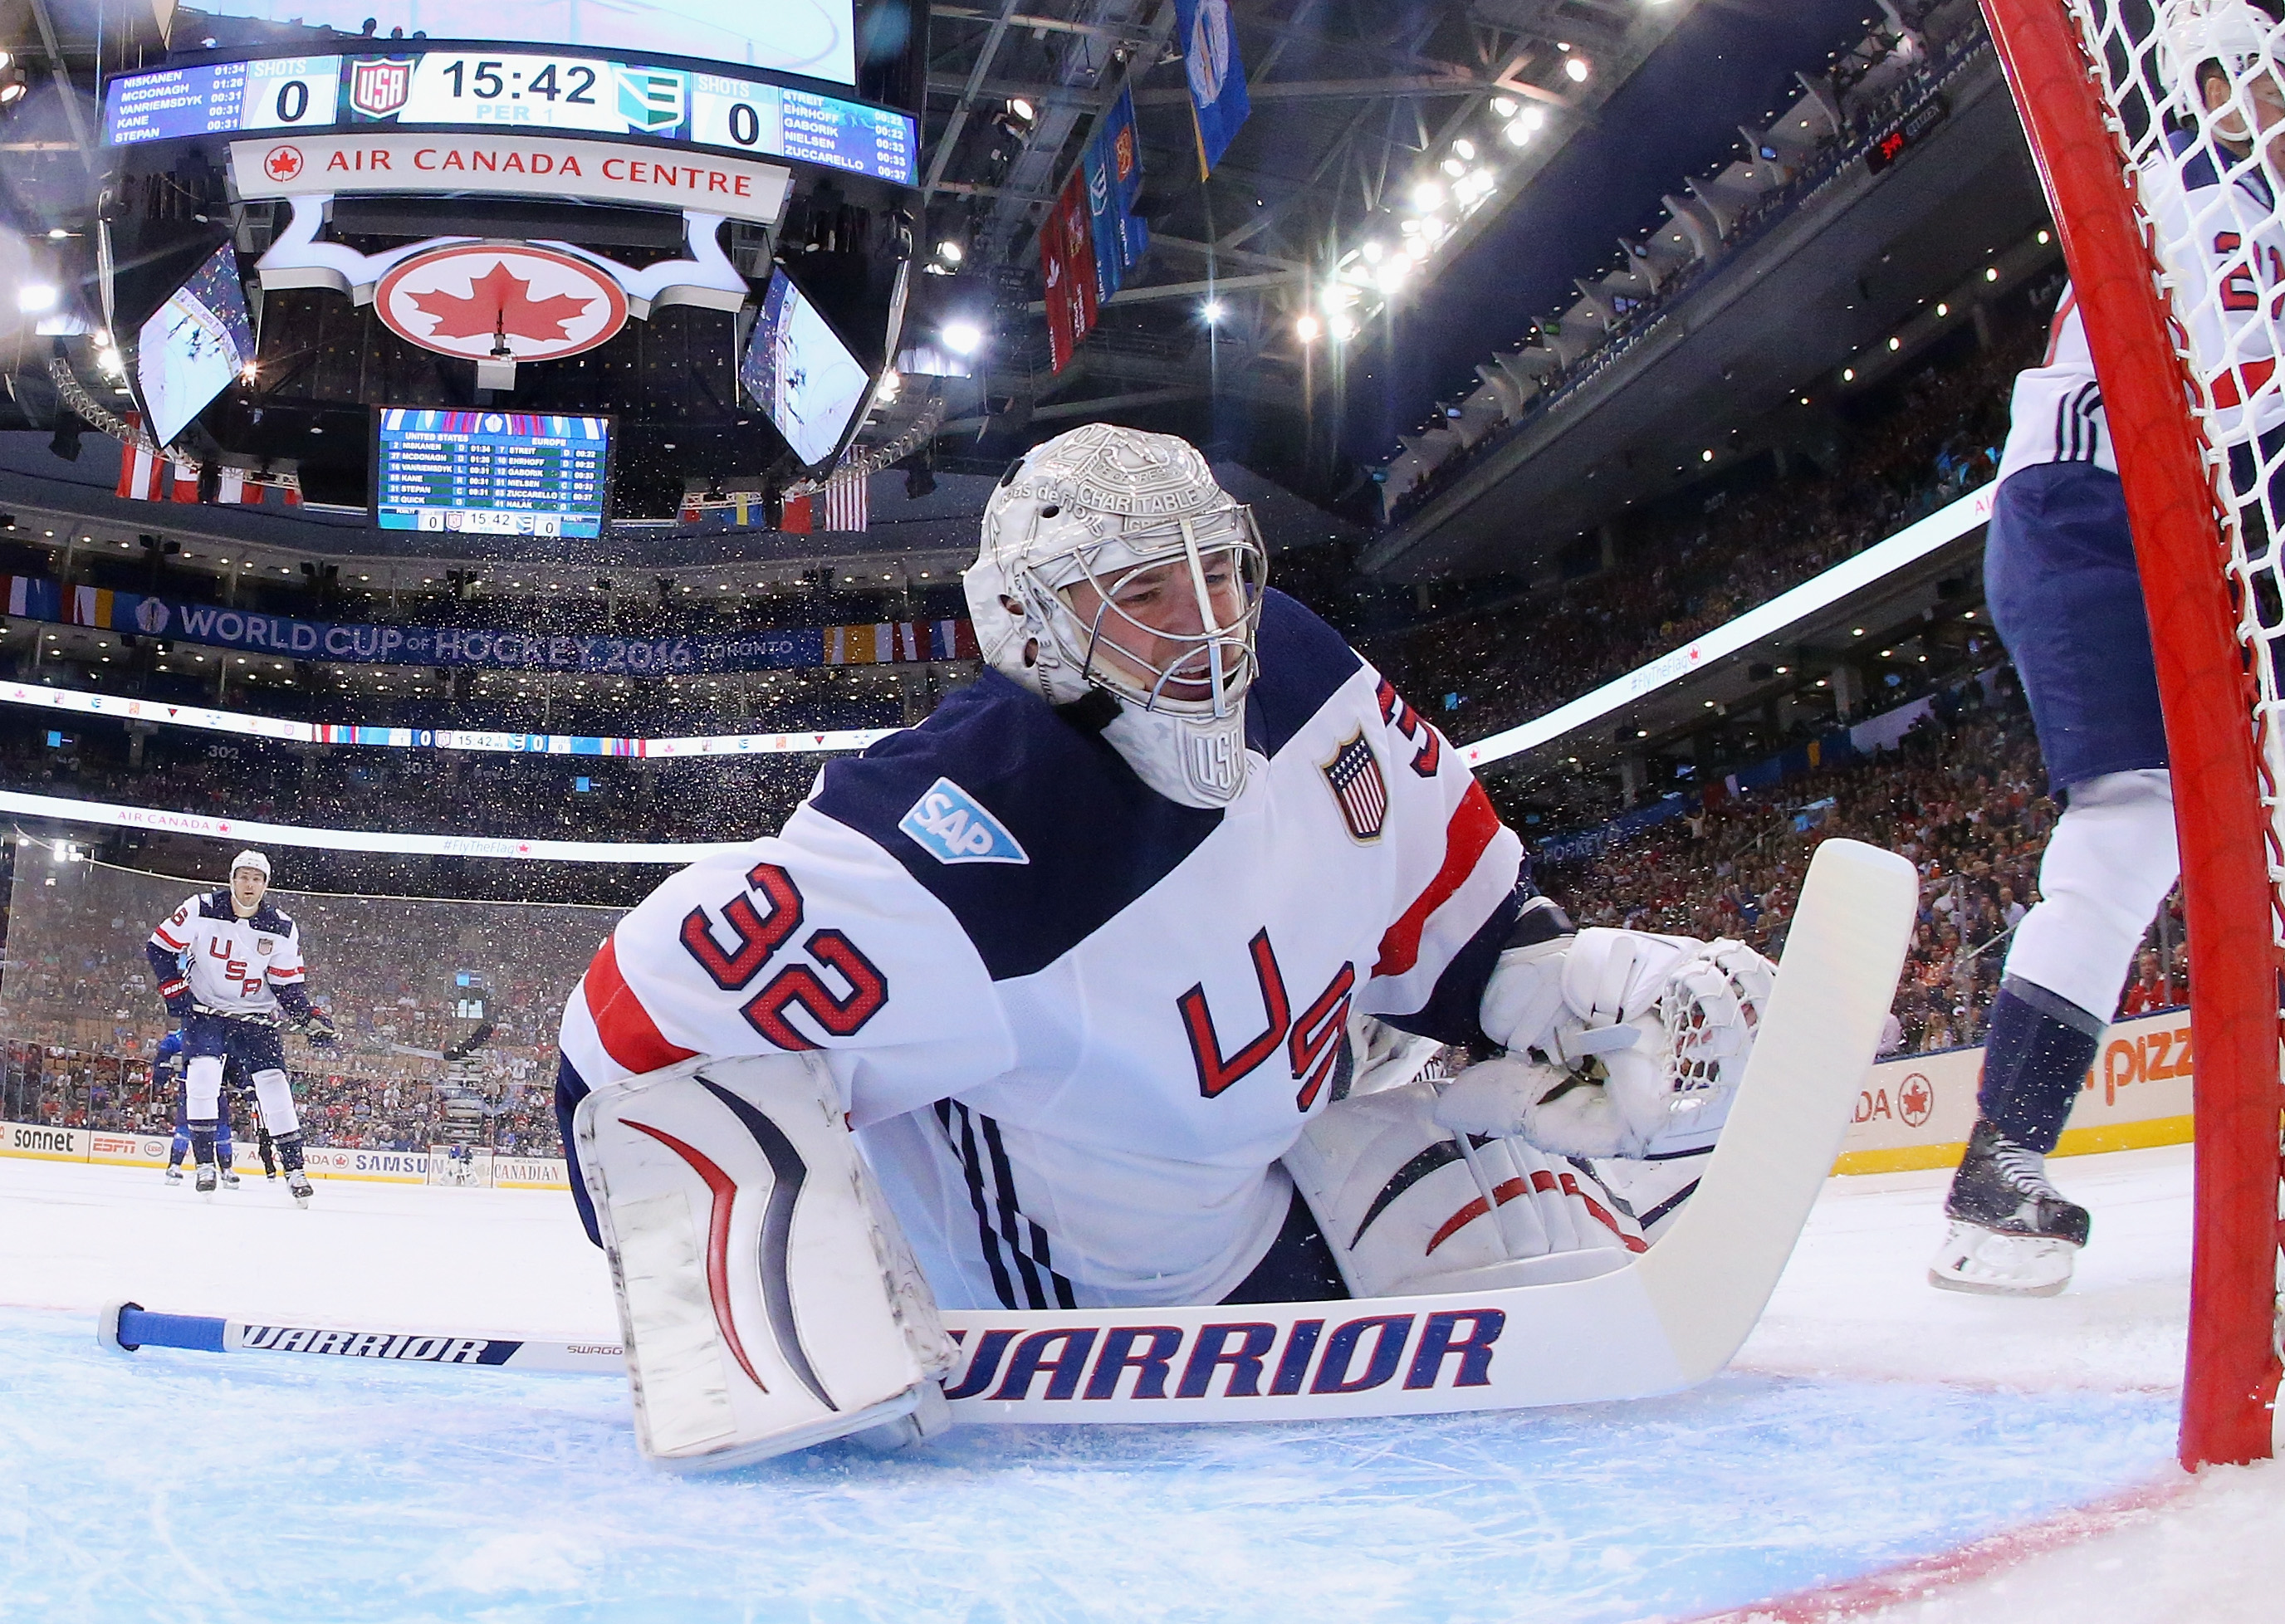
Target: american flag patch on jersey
1355, 776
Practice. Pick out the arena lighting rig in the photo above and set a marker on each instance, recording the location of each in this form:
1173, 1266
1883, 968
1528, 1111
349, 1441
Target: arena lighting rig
592, 258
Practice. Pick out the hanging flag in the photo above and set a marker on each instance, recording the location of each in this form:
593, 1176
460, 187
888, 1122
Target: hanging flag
794, 520
1067, 270
1113, 166
844, 503
1218, 99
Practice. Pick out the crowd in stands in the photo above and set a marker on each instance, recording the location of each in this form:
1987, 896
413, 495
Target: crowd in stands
1937, 437
1878, 81
1962, 796
398, 976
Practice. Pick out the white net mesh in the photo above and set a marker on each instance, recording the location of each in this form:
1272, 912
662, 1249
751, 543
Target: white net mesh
2195, 97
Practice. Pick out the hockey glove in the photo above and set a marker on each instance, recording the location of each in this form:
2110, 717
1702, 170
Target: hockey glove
177, 993
1641, 1058
318, 1031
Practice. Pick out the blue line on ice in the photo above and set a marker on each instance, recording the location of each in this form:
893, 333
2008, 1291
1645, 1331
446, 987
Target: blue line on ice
166, 1484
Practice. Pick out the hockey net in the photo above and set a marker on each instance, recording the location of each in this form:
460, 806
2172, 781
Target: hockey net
2160, 135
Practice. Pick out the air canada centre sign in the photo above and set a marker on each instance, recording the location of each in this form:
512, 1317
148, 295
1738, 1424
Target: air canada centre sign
529, 166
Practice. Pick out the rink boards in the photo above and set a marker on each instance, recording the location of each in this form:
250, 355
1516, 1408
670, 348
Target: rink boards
38, 1142
1909, 1113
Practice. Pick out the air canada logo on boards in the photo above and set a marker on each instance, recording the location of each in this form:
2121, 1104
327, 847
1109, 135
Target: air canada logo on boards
1916, 1100
380, 85
282, 163
500, 301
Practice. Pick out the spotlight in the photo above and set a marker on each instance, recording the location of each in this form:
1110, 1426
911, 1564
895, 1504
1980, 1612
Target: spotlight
11, 85
1575, 69
1427, 197
1502, 107
1517, 132
950, 252
1021, 108
1211, 311
35, 296
1344, 328
962, 338
1465, 150
1306, 327
1992, 273
1453, 165
1372, 251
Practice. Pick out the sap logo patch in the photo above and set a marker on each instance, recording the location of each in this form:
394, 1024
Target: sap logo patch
950, 825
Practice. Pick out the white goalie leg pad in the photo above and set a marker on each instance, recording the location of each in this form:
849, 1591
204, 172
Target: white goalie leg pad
1409, 1206
768, 1300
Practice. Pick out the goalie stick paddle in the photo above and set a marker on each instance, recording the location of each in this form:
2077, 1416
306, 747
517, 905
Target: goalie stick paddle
1666, 1320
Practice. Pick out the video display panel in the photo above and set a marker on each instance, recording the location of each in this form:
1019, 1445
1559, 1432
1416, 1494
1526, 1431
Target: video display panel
488, 88
193, 346
801, 374
491, 473
816, 38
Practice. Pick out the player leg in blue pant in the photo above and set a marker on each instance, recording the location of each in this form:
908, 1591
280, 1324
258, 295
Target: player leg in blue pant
2059, 570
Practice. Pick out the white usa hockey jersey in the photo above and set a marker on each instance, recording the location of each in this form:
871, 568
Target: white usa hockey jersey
2223, 248
2057, 412
1076, 1024
233, 966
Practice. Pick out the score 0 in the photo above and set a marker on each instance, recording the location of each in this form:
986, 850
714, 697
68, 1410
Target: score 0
292, 92
734, 114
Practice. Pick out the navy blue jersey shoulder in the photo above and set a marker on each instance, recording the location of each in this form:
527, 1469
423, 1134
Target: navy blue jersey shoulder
1095, 838
2199, 171
216, 905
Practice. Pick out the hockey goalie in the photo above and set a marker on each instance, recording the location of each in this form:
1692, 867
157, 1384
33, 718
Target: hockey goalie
1109, 986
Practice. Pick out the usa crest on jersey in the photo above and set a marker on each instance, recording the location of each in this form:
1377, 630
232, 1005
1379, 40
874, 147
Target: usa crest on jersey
1354, 776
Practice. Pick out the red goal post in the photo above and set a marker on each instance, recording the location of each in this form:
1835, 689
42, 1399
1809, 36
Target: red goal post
2216, 683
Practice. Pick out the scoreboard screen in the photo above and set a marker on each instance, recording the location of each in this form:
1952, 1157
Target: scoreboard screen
815, 38
504, 91
490, 473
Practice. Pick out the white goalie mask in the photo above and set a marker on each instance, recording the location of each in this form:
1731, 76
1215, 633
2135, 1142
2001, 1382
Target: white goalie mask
1112, 563
2231, 33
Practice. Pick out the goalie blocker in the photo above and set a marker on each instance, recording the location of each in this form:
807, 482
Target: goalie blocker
768, 1301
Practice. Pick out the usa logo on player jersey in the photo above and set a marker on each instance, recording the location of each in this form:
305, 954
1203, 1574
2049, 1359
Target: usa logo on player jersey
1354, 776
950, 825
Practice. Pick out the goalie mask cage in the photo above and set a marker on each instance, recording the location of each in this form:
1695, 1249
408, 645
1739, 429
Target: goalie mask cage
2186, 350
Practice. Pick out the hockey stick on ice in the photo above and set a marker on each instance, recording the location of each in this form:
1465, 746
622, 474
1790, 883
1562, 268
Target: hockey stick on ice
1665, 1321
129, 1327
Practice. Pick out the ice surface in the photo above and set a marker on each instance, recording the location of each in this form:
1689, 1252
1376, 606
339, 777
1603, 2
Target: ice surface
1871, 1421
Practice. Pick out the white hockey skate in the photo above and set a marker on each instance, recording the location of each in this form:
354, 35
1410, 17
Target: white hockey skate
229, 1177
1992, 1261
205, 1184
298, 1182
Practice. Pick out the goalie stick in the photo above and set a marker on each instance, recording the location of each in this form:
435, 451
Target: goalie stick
1666, 1320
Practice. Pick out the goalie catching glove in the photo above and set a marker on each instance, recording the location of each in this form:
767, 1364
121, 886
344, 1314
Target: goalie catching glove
768, 1300
1620, 1043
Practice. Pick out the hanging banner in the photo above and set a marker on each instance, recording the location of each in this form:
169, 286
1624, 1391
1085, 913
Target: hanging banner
1113, 167
1067, 270
1219, 103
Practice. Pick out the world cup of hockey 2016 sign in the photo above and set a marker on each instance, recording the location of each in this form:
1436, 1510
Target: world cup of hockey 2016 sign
501, 302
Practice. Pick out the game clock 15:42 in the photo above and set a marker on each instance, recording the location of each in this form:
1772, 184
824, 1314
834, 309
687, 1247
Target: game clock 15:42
532, 92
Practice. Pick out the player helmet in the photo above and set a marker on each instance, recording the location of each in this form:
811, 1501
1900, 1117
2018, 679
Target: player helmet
2192, 33
251, 859
1113, 563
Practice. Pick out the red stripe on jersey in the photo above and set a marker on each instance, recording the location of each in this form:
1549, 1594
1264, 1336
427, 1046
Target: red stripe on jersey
1465, 838
2232, 388
2055, 327
168, 942
292, 975
629, 1035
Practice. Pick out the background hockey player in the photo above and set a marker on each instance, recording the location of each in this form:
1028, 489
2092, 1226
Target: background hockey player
228, 965
1077, 958
167, 1072
2067, 601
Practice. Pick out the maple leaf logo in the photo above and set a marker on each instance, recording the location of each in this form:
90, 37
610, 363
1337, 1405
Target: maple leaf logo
501, 302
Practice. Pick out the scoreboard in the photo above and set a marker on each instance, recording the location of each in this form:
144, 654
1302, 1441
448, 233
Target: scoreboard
490, 473
510, 91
